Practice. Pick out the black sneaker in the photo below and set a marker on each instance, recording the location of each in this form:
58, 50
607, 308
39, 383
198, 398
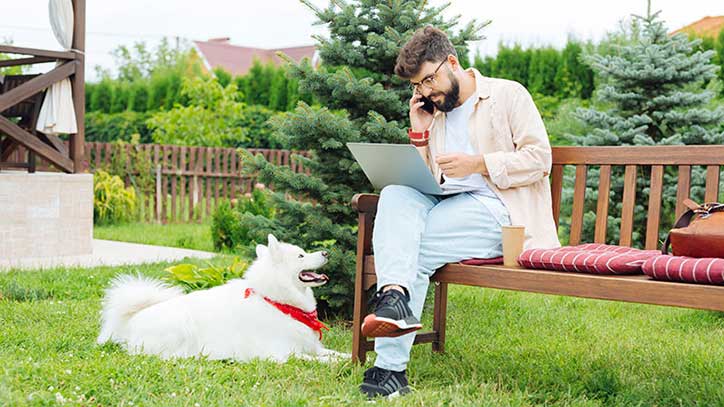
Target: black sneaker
384, 383
392, 316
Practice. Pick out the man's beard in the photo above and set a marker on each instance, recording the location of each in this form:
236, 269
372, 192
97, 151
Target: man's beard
451, 97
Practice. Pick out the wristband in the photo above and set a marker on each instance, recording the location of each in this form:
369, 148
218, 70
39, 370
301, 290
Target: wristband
419, 139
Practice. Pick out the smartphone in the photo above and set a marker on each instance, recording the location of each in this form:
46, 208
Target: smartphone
428, 105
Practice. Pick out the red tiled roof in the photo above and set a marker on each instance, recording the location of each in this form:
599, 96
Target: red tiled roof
237, 60
706, 27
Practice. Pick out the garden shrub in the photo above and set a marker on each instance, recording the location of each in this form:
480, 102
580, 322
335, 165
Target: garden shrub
109, 127
113, 202
191, 277
227, 230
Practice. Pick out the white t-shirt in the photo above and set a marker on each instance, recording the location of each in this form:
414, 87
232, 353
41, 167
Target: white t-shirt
457, 140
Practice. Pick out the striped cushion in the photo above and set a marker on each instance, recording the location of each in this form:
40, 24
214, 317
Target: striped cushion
685, 269
588, 258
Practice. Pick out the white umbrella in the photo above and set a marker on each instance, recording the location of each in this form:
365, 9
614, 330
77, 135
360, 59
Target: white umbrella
57, 115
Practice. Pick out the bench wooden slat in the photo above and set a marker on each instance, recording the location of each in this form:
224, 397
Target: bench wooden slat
604, 187
579, 197
639, 155
683, 189
556, 189
654, 214
629, 203
712, 184
635, 288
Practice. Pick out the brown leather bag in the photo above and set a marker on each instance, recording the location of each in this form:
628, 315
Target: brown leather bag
699, 232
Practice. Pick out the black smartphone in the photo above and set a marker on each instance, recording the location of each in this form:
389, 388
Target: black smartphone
428, 105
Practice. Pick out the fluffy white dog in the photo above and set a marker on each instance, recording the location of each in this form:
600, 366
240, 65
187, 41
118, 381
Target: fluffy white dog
269, 314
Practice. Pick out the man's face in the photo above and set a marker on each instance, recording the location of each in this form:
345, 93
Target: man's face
440, 86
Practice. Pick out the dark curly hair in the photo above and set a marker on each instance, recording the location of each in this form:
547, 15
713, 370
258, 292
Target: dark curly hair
427, 44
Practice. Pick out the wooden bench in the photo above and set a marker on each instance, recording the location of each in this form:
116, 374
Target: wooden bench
637, 288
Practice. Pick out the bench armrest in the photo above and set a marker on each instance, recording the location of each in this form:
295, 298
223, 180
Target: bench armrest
366, 203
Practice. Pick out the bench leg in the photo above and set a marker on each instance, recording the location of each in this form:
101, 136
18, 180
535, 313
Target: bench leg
359, 348
439, 317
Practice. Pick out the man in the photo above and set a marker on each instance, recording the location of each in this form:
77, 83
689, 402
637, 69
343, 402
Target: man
485, 136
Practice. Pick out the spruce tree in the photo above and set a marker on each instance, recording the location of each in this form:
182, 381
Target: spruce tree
361, 100
651, 89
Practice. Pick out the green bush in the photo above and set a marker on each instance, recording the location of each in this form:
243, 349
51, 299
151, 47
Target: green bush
205, 122
120, 96
215, 116
222, 76
102, 96
564, 123
191, 277
227, 230
254, 121
139, 96
544, 70
110, 127
268, 86
547, 105
134, 166
113, 202
223, 226
544, 66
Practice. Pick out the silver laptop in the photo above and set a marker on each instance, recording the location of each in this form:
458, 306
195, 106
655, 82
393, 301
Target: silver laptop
397, 164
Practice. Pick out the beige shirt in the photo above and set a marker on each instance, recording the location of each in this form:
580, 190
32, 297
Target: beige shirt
507, 130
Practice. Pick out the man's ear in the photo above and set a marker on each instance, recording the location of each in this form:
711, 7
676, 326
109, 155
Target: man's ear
261, 250
453, 61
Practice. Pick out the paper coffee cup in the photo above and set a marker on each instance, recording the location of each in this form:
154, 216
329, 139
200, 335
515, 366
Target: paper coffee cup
513, 239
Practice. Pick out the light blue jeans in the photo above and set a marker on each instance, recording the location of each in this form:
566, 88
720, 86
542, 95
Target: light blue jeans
415, 234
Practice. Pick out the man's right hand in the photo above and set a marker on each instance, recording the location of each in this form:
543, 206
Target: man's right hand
420, 120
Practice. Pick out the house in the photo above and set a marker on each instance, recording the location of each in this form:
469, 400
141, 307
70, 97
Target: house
706, 27
237, 60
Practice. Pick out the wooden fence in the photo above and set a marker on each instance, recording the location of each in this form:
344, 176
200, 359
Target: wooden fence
179, 183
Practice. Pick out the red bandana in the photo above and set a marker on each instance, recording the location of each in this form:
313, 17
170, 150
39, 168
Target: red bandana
307, 318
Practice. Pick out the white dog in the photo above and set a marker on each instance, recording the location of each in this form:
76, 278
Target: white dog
270, 314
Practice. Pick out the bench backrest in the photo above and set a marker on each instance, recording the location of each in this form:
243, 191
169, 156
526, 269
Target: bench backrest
656, 158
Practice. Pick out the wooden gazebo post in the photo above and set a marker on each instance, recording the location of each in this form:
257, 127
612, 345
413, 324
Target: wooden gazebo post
77, 141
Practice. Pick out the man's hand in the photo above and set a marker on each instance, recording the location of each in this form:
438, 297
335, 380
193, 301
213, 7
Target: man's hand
420, 120
460, 165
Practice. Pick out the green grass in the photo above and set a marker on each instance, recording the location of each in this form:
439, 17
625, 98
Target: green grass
185, 235
503, 348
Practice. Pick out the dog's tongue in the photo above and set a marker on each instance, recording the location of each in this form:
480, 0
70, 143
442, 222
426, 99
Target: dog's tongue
308, 276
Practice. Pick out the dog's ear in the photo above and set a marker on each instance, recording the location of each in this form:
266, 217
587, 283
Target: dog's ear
261, 250
273, 244
272, 239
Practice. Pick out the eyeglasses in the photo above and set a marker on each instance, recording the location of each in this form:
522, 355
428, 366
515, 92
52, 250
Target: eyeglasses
429, 81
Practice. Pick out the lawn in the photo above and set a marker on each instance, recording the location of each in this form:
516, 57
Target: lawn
185, 235
504, 348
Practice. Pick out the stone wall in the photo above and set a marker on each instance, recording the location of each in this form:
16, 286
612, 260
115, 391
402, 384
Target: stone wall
45, 214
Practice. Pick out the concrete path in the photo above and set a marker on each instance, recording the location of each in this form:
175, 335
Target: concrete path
108, 253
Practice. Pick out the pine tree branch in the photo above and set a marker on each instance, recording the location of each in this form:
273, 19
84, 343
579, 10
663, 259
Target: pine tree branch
281, 177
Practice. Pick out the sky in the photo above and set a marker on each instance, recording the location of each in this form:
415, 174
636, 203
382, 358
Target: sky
283, 23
